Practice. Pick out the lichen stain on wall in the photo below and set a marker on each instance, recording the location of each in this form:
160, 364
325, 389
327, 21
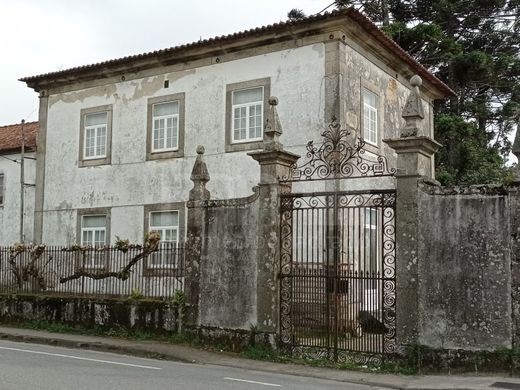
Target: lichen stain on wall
391, 91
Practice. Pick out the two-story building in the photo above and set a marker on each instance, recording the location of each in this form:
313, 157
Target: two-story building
117, 139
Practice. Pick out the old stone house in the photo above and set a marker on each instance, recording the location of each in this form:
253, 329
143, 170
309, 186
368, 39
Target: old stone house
11, 192
174, 141
117, 139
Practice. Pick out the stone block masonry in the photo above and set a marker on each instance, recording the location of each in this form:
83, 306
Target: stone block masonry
89, 312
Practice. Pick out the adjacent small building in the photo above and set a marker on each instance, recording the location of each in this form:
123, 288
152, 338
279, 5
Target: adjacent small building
12, 194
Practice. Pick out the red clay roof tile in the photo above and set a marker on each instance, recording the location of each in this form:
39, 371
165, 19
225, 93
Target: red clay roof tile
11, 137
355, 15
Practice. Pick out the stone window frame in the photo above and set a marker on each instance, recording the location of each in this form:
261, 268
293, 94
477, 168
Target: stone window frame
181, 98
82, 162
180, 207
366, 85
230, 88
80, 213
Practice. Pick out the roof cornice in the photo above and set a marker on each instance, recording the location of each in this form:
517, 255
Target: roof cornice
261, 36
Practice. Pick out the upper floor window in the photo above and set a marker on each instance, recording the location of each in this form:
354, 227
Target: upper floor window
246, 104
248, 107
166, 223
370, 113
1, 189
95, 136
165, 126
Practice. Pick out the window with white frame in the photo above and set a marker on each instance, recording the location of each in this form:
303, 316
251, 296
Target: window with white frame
247, 115
371, 252
370, 116
165, 126
1, 189
94, 235
166, 223
95, 135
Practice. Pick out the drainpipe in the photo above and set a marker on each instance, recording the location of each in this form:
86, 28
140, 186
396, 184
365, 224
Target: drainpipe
22, 181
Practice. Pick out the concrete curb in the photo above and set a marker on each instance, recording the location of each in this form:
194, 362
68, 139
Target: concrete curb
185, 354
95, 346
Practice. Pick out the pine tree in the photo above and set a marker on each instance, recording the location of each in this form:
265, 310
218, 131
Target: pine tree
474, 47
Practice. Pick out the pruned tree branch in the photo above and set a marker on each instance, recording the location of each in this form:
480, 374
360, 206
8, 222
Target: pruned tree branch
22, 274
151, 245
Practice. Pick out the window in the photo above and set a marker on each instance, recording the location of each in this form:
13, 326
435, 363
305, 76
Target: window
246, 104
370, 116
165, 127
371, 242
166, 223
168, 220
371, 294
1, 189
247, 118
94, 234
95, 136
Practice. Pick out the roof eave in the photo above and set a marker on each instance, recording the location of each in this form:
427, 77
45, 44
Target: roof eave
239, 41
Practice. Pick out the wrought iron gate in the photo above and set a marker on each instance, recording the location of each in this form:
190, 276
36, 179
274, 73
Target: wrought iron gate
337, 271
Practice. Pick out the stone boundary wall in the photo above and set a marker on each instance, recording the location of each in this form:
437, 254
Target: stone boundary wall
110, 313
465, 268
228, 272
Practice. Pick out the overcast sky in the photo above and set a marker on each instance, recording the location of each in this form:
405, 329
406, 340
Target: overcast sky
40, 36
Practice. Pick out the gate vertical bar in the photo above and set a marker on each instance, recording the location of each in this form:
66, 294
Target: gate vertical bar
335, 294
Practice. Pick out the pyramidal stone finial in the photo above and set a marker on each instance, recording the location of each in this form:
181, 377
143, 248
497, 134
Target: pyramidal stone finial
273, 127
199, 177
413, 112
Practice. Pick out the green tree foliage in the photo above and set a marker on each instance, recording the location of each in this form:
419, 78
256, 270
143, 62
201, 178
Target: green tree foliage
295, 14
474, 47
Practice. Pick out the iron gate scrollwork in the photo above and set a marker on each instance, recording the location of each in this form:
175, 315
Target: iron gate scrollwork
337, 271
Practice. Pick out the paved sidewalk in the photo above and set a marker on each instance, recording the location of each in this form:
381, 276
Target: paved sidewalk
187, 354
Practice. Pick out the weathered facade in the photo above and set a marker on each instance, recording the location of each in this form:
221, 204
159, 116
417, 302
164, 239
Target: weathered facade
370, 263
11, 193
318, 68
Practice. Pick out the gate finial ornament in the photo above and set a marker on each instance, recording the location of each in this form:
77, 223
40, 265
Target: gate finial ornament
413, 112
341, 155
273, 127
199, 177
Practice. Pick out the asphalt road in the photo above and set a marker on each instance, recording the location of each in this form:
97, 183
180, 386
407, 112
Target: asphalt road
31, 366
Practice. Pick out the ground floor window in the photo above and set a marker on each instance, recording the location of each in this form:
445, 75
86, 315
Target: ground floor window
94, 235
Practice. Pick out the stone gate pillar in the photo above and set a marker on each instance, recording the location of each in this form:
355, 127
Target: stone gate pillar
275, 163
414, 163
196, 233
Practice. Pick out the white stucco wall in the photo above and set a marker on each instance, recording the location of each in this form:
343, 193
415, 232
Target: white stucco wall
297, 78
10, 211
130, 181
392, 90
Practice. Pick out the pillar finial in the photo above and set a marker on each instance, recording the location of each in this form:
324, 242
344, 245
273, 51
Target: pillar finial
199, 177
273, 127
413, 112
